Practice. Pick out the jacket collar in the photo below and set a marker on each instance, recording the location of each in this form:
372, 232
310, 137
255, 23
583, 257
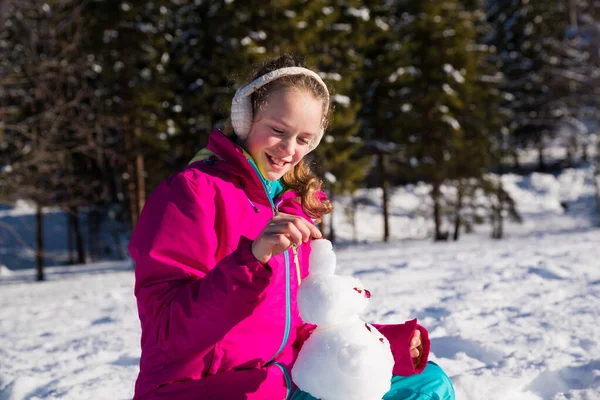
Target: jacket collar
235, 161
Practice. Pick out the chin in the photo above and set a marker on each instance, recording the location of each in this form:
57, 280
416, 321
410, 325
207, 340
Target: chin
273, 176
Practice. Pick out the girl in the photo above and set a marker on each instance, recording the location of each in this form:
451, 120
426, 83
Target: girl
220, 249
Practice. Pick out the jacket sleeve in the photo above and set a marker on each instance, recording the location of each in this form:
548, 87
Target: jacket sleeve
180, 287
399, 336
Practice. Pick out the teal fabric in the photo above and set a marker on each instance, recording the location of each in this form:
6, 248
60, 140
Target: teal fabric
273, 188
431, 384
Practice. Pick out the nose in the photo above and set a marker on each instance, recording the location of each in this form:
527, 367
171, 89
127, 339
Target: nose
286, 146
367, 293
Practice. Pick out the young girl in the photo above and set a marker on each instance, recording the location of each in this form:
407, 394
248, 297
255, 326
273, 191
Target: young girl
220, 249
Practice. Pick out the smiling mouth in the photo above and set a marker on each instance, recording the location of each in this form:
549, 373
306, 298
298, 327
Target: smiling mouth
277, 162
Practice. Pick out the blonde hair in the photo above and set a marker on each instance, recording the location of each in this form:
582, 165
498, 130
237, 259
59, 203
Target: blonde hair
300, 178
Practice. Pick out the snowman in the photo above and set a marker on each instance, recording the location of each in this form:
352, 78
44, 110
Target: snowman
345, 357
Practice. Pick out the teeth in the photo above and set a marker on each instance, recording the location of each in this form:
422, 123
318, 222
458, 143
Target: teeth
276, 161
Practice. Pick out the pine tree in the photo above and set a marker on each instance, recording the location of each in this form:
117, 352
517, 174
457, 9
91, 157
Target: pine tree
381, 93
48, 107
425, 97
330, 35
131, 86
541, 66
210, 62
484, 144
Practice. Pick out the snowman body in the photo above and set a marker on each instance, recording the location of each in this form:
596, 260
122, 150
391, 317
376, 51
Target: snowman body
345, 357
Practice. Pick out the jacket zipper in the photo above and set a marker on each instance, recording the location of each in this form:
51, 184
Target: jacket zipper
288, 379
288, 312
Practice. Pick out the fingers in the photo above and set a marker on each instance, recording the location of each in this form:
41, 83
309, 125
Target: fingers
415, 343
285, 233
296, 228
414, 353
281, 232
416, 339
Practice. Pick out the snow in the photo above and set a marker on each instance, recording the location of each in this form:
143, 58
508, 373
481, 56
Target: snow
451, 121
21, 207
341, 99
449, 69
514, 319
362, 13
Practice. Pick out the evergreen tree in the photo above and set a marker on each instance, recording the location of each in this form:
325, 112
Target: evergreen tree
209, 58
540, 64
426, 95
484, 144
331, 36
134, 92
48, 107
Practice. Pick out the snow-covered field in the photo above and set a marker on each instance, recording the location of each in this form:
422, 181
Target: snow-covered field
512, 319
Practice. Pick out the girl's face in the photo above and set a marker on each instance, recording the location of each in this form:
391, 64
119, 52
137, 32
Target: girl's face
282, 130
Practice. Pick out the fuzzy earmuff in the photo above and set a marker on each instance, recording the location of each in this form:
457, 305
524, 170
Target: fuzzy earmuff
241, 106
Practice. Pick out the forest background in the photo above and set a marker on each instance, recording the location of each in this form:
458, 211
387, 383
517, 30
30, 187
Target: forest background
101, 100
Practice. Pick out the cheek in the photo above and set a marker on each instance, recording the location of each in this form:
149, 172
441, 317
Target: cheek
258, 141
299, 155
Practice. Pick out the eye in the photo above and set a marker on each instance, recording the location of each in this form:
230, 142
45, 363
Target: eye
304, 141
277, 131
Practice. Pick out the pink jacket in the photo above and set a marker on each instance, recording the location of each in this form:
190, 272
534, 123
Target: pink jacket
216, 323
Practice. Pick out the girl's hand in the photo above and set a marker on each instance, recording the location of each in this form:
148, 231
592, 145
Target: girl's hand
415, 344
281, 232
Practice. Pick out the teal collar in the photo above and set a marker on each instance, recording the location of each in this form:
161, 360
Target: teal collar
273, 188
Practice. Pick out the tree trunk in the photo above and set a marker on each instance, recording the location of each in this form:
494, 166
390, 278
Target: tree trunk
516, 162
117, 239
140, 171
459, 205
90, 236
131, 189
70, 238
354, 209
569, 157
571, 6
541, 160
384, 184
497, 217
437, 212
39, 254
500, 232
74, 216
585, 153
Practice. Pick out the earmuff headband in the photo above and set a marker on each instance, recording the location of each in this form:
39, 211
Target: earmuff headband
241, 106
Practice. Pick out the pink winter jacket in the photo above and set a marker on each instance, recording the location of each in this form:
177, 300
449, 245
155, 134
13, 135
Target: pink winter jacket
216, 323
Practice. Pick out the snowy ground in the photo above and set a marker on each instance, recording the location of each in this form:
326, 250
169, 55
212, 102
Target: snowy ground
515, 319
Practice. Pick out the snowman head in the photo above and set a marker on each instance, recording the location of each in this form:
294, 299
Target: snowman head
324, 298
